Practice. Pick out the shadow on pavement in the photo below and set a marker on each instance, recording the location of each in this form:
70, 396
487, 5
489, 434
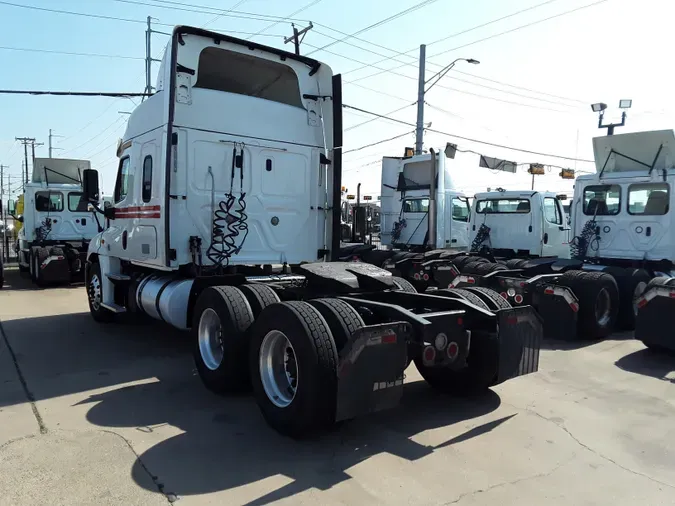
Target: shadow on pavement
576, 344
226, 443
70, 353
649, 363
15, 280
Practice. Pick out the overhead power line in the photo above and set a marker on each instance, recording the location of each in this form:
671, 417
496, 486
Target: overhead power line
478, 141
378, 142
225, 12
218, 16
287, 18
74, 93
52, 51
456, 34
384, 21
382, 71
375, 119
72, 13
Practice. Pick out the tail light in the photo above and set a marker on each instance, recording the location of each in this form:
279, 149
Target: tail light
518, 299
453, 350
429, 355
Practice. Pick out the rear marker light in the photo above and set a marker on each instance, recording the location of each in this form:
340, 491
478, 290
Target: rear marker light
518, 299
522, 284
512, 320
471, 281
504, 295
642, 302
441, 341
549, 291
429, 355
672, 295
574, 306
425, 277
460, 321
388, 338
416, 276
453, 350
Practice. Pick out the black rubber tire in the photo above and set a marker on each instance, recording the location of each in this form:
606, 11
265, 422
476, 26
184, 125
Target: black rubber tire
313, 406
236, 316
515, 263
342, 319
259, 297
403, 285
473, 267
100, 314
462, 260
478, 376
587, 286
468, 296
491, 297
628, 281
497, 267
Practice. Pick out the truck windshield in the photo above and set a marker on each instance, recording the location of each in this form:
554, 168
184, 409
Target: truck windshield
76, 202
602, 200
49, 202
498, 206
223, 70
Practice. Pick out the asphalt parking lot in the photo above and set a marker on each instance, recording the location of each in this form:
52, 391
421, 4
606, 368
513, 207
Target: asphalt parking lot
115, 414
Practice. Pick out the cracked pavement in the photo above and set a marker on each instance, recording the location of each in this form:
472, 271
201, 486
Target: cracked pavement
114, 414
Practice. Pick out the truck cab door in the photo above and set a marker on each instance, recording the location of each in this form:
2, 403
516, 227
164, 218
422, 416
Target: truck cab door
116, 236
459, 222
555, 233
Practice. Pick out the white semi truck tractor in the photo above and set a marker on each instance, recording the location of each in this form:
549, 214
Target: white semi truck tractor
226, 221
57, 222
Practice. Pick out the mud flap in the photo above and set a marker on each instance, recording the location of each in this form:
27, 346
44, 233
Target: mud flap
370, 370
55, 270
520, 334
656, 317
559, 309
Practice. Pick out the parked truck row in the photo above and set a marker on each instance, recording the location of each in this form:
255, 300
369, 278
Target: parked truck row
600, 269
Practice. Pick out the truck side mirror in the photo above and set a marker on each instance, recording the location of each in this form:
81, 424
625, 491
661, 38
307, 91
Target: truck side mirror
90, 185
11, 207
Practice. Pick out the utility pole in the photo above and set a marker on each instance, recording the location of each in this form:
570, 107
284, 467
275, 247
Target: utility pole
25, 141
296, 36
5, 253
419, 131
51, 148
422, 90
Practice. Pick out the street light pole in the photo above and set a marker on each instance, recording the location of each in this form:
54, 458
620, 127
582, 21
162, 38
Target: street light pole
422, 90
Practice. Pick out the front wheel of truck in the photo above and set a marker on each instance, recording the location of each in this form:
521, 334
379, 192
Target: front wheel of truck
95, 295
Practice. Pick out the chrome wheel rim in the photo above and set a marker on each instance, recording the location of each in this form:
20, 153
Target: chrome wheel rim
210, 335
95, 292
603, 307
278, 368
639, 288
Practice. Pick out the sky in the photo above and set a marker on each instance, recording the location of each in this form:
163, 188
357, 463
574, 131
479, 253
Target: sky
542, 63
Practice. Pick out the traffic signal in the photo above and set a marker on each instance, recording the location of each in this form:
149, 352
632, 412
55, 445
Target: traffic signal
567, 173
536, 169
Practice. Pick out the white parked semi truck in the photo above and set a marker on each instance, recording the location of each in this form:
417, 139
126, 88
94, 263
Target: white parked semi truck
57, 222
235, 165
622, 244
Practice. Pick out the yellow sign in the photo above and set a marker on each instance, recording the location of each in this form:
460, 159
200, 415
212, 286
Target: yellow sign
351, 197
